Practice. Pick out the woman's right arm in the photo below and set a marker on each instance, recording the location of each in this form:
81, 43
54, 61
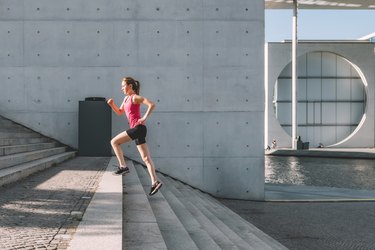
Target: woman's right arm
116, 109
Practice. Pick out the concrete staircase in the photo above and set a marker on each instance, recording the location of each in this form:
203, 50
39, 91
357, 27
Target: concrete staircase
23, 152
181, 217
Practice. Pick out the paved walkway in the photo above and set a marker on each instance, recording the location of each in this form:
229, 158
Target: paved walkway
312, 217
312, 225
43, 211
301, 193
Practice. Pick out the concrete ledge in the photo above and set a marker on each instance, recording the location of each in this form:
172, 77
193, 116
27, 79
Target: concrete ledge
300, 193
101, 226
355, 153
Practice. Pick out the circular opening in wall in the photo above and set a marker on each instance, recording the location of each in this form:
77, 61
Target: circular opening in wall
331, 98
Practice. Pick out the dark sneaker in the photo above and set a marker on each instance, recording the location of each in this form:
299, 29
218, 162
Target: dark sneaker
121, 171
155, 188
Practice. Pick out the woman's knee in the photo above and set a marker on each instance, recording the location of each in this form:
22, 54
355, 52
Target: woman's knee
114, 142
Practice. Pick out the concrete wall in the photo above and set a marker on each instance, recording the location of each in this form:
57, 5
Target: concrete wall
200, 61
360, 54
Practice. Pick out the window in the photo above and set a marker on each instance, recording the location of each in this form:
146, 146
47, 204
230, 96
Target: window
331, 98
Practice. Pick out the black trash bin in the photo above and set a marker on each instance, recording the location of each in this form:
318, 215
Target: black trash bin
305, 145
94, 127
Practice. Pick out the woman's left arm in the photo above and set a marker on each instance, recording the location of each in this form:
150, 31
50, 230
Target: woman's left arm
150, 107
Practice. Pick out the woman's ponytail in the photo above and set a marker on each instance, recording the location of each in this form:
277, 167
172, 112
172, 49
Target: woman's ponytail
138, 87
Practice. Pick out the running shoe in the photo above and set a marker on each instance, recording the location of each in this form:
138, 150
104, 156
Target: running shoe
155, 188
121, 171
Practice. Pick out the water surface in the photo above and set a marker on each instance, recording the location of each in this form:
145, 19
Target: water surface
314, 171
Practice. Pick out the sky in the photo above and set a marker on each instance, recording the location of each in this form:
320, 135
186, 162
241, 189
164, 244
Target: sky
319, 24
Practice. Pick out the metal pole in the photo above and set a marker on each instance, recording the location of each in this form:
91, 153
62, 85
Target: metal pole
294, 76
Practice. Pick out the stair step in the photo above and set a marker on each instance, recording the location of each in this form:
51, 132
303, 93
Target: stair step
201, 238
23, 152
248, 232
15, 173
218, 230
140, 228
10, 135
230, 234
22, 141
173, 232
15, 129
9, 150
16, 159
5, 122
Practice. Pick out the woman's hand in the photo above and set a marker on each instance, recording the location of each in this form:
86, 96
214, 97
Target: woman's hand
141, 121
113, 106
110, 102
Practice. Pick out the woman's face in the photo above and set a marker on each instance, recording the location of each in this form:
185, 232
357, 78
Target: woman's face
125, 88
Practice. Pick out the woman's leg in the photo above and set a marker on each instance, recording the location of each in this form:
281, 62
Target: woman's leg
116, 145
146, 157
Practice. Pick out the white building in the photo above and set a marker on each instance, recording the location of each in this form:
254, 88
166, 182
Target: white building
335, 93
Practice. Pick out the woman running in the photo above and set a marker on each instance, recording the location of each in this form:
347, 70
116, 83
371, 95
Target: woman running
131, 107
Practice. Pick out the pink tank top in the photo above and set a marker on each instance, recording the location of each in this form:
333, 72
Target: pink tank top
132, 111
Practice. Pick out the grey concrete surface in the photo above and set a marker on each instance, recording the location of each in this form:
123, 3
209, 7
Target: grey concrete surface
310, 226
23, 153
15, 173
16, 159
223, 226
203, 81
255, 238
315, 217
294, 193
37, 212
201, 238
351, 153
140, 227
8, 150
172, 230
101, 225
65, 191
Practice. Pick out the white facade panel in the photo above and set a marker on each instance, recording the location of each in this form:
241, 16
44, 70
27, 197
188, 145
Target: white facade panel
283, 113
343, 89
357, 111
329, 89
314, 64
284, 92
302, 89
302, 113
329, 113
317, 113
357, 90
343, 68
329, 65
314, 89
343, 113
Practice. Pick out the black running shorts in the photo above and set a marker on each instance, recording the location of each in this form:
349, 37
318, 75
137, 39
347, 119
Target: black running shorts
138, 133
